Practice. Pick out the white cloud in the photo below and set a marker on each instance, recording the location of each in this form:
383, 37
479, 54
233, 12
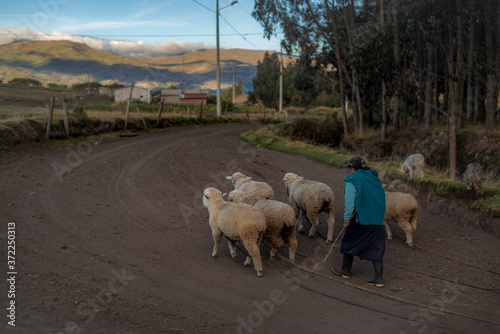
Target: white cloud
121, 24
121, 46
149, 10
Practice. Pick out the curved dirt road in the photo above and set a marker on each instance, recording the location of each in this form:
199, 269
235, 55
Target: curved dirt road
112, 237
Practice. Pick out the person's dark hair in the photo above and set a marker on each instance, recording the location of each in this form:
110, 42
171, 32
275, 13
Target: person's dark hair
357, 163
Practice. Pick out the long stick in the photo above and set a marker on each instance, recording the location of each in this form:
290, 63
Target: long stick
320, 264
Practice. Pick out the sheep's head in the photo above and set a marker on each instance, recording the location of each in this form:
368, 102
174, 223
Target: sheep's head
290, 177
236, 196
211, 194
235, 177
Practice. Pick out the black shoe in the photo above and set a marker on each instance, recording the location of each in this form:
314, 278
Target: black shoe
377, 280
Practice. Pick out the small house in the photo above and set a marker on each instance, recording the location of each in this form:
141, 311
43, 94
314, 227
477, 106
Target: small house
139, 93
185, 96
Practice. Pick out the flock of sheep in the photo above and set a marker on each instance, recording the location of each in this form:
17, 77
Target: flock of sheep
251, 214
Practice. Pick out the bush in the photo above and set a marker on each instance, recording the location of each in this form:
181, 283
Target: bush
327, 132
25, 82
54, 85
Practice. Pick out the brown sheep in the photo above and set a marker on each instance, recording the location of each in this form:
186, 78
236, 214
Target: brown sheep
238, 222
414, 163
311, 198
280, 221
245, 183
402, 208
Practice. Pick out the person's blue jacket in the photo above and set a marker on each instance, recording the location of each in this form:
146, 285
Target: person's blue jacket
365, 193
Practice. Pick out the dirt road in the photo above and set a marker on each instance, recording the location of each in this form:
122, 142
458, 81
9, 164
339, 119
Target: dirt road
112, 237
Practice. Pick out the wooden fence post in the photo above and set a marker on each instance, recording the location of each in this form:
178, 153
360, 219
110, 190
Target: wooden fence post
49, 122
159, 114
143, 121
66, 121
128, 105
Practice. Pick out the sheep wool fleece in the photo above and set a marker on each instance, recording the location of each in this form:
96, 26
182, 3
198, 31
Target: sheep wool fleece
370, 197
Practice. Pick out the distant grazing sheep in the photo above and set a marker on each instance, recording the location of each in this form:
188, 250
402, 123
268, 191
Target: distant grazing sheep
414, 163
244, 183
473, 176
238, 222
311, 198
280, 219
402, 208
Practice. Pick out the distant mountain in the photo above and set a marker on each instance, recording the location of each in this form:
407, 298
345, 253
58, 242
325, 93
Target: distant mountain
67, 62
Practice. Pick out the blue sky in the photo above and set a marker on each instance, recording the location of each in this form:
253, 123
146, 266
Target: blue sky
135, 27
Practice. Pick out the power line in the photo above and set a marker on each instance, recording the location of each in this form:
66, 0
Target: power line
199, 3
255, 46
241, 35
131, 35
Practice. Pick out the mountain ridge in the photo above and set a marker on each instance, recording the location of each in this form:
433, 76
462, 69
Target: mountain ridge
67, 62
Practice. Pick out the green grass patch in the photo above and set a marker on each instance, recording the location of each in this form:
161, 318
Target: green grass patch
489, 205
267, 139
487, 199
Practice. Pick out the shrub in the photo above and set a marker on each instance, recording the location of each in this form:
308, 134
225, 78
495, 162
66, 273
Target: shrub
25, 82
327, 132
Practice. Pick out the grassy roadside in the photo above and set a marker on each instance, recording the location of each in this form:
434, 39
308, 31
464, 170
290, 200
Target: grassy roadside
486, 199
16, 135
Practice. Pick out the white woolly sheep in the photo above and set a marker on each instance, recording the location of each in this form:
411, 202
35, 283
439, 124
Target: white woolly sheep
402, 208
311, 198
414, 163
238, 222
244, 183
473, 176
280, 220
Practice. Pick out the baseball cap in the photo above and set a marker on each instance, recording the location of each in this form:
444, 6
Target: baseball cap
356, 163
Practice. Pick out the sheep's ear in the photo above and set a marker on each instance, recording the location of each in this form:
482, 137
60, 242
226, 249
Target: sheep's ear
229, 177
248, 178
224, 194
384, 185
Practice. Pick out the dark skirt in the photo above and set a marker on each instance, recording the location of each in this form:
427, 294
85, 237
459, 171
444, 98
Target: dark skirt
365, 241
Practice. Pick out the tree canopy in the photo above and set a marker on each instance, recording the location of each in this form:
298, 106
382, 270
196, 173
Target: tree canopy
399, 61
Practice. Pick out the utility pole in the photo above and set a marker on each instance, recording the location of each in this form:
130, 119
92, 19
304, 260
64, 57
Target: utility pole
219, 113
281, 81
233, 83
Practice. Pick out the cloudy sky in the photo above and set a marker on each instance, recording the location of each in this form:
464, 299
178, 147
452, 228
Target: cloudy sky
135, 27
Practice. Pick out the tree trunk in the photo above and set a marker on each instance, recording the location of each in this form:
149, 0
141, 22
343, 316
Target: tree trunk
490, 86
453, 109
459, 69
358, 103
354, 106
436, 88
356, 92
470, 76
339, 68
397, 60
428, 88
446, 95
384, 116
477, 100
